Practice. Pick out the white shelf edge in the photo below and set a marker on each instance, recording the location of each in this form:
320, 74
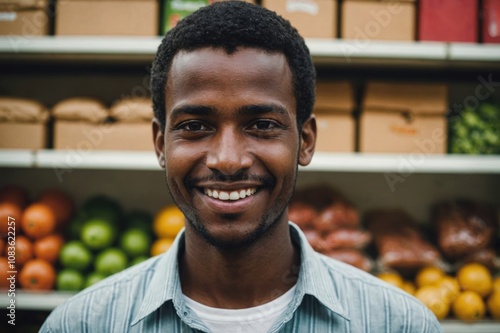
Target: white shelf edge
470, 52
116, 160
403, 163
457, 326
79, 45
332, 48
377, 49
46, 301
17, 158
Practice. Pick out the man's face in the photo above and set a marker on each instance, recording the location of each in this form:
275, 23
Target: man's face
231, 145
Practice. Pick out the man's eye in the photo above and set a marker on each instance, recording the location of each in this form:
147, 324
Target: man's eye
194, 126
265, 125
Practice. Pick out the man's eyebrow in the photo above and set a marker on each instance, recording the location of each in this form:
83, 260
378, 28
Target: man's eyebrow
257, 109
197, 110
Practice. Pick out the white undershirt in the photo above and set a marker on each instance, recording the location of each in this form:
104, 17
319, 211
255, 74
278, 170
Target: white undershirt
258, 319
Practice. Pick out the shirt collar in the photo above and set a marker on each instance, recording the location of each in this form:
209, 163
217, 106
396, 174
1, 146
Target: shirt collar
314, 279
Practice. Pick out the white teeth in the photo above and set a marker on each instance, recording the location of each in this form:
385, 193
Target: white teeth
233, 195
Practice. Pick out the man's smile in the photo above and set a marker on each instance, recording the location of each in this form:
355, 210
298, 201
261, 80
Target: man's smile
230, 195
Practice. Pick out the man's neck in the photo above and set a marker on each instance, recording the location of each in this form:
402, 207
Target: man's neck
243, 278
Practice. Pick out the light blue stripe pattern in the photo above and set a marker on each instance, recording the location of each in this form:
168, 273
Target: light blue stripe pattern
330, 297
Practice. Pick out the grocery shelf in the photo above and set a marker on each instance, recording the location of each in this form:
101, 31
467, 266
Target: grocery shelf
418, 163
47, 301
328, 162
322, 50
117, 160
16, 158
457, 326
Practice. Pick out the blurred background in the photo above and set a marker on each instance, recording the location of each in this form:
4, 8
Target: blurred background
407, 162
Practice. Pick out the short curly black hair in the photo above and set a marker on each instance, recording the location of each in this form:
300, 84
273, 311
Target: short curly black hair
231, 25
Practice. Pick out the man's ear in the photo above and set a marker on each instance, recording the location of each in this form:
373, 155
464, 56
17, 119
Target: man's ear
159, 142
307, 141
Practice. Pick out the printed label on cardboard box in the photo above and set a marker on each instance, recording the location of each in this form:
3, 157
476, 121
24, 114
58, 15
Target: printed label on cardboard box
8, 16
303, 6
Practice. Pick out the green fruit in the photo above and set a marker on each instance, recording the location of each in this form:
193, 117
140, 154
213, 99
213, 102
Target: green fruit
104, 208
110, 261
70, 280
75, 255
75, 225
97, 234
138, 260
93, 278
140, 219
135, 242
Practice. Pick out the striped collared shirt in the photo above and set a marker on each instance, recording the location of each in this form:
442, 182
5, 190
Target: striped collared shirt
330, 297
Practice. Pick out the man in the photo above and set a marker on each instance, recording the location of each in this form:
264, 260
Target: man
233, 91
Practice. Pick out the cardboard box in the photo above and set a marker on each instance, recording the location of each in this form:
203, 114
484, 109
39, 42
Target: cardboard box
378, 20
176, 10
86, 136
491, 21
448, 20
312, 18
335, 121
107, 17
404, 118
23, 135
24, 17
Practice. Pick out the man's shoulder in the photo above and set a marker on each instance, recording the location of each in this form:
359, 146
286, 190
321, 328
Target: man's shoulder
357, 288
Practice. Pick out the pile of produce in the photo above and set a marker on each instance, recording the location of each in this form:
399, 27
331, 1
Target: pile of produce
331, 225
476, 131
53, 245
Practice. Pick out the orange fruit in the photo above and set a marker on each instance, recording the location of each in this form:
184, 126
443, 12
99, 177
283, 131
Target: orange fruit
431, 297
496, 283
450, 289
409, 287
37, 274
38, 220
24, 250
475, 277
160, 246
14, 194
4, 268
61, 203
392, 278
429, 276
10, 215
48, 247
493, 304
168, 222
469, 306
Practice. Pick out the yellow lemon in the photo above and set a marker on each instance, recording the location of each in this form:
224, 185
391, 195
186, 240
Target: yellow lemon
431, 297
475, 277
469, 306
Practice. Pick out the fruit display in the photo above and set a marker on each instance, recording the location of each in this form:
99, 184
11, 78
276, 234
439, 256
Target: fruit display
58, 246
476, 130
455, 273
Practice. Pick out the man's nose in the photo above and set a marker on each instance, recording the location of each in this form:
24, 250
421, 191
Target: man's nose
228, 154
